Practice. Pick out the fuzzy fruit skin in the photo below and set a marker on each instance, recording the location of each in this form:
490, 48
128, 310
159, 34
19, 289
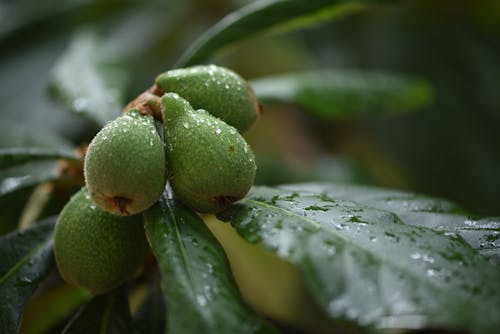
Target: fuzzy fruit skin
211, 165
125, 165
94, 249
220, 91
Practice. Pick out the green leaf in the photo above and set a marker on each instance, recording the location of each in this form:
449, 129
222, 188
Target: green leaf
341, 94
482, 234
264, 15
104, 314
90, 78
365, 265
199, 289
13, 134
24, 19
28, 175
18, 155
15, 202
25, 261
17, 182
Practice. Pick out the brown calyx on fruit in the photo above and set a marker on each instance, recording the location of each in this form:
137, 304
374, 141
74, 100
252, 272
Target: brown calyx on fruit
147, 103
121, 203
224, 201
156, 90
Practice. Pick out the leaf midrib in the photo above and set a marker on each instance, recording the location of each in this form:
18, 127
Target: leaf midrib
180, 242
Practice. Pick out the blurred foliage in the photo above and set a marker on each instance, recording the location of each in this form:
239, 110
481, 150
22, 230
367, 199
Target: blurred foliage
453, 148
450, 149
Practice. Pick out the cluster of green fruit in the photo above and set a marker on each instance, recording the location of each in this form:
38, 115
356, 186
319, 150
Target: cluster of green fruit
201, 111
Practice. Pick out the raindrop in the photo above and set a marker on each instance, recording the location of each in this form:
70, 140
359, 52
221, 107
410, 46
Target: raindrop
194, 242
451, 235
415, 256
340, 226
469, 222
80, 104
23, 281
11, 183
423, 257
201, 300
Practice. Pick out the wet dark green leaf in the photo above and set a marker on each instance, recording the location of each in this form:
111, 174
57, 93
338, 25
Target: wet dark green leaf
15, 201
199, 289
264, 15
105, 314
18, 155
366, 265
25, 261
27, 175
17, 182
482, 234
345, 94
13, 134
90, 78
25, 18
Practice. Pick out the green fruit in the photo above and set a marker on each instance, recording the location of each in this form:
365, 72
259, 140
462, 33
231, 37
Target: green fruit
211, 165
94, 249
125, 165
220, 91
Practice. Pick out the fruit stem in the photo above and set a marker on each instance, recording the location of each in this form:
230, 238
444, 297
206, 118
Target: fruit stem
147, 103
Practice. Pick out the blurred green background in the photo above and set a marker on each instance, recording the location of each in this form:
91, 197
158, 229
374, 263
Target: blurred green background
450, 148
